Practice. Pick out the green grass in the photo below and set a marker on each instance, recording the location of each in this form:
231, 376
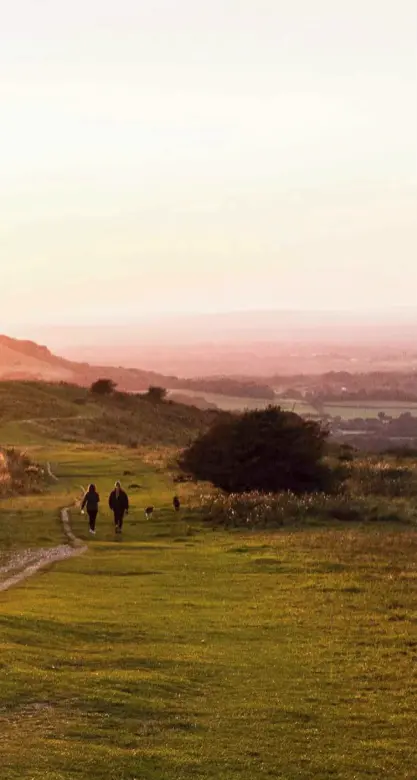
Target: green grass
180, 652
32, 412
32, 400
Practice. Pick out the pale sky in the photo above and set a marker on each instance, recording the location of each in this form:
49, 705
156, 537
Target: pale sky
180, 155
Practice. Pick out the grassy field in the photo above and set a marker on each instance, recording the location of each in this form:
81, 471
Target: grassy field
230, 403
184, 652
347, 411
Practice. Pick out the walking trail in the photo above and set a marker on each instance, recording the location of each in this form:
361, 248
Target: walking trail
26, 563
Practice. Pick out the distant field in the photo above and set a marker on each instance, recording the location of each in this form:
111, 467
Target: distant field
347, 411
300, 407
370, 409
231, 403
228, 403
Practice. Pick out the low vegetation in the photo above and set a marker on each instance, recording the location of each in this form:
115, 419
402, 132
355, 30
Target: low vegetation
18, 474
370, 490
76, 414
33, 400
259, 510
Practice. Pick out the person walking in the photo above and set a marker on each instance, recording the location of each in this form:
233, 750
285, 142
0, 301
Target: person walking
90, 502
176, 503
119, 504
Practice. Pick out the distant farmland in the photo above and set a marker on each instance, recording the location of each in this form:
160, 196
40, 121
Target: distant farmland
231, 403
352, 409
228, 403
348, 411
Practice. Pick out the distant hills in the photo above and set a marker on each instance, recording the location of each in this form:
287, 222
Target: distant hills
23, 360
253, 344
26, 360
251, 368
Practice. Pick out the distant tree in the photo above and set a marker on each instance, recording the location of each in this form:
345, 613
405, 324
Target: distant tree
103, 387
156, 394
267, 450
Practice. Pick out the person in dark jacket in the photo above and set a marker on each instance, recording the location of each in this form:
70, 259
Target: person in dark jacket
176, 503
90, 502
119, 504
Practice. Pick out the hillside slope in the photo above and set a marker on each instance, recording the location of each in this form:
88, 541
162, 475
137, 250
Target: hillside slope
27, 360
72, 413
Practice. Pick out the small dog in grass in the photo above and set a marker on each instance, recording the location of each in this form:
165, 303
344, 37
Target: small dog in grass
149, 512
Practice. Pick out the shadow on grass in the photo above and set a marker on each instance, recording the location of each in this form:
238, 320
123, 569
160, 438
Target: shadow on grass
39, 632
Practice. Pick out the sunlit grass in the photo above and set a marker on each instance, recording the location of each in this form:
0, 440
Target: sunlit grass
179, 651
216, 656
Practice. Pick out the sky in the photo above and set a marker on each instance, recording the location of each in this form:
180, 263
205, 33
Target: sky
181, 156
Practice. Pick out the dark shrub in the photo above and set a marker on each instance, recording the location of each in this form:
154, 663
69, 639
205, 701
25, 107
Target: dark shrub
156, 394
267, 450
103, 387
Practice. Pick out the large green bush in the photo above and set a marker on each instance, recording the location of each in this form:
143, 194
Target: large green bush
267, 450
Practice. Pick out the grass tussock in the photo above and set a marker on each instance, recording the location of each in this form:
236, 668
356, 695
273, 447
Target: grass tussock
18, 474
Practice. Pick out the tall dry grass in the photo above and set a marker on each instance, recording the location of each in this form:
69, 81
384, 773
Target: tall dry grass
373, 490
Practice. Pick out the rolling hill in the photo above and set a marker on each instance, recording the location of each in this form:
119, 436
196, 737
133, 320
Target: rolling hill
72, 413
26, 360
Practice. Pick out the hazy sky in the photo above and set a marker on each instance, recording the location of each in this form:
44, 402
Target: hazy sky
177, 155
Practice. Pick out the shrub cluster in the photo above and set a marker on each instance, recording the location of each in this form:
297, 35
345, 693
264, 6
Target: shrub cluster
268, 450
18, 474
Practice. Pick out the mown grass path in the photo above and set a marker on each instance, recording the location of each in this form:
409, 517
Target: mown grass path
178, 652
